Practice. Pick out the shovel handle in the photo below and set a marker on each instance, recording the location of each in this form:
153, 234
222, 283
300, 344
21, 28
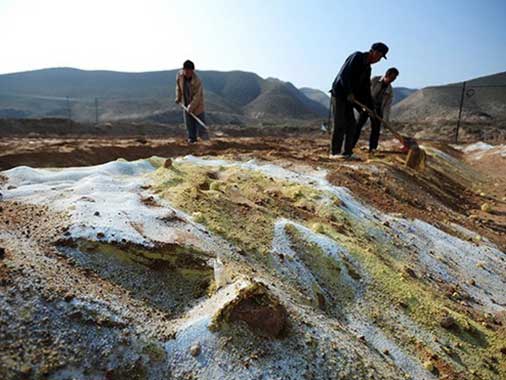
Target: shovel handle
193, 115
397, 135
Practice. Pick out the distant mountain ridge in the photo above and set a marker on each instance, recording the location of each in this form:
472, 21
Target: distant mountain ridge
484, 101
230, 96
317, 95
400, 93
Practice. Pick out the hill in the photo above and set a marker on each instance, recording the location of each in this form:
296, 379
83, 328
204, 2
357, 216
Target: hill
317, 95
234, 95
400, 93
441, 103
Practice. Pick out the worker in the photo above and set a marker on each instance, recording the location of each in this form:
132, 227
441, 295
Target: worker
189, 91
352, 82
382, 95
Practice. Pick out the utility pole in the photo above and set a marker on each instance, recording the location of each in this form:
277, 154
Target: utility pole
460, 112
96, 111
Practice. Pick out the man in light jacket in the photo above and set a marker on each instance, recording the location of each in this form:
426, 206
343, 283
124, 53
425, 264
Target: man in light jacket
382, 94
189, 91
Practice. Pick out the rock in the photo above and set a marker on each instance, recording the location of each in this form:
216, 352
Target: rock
68, 297
265, 319
26, 370
429, 366
410, 272
321, 300
448, 323
168, 163
215, 185
204, 186
198, 217
96, 213
258, 308
485, 207
318, 228
195, 349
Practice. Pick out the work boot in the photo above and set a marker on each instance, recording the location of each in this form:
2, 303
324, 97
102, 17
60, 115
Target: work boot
375, 153
351, 157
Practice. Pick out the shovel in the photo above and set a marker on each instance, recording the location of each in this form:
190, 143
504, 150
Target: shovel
416, 155
194, 116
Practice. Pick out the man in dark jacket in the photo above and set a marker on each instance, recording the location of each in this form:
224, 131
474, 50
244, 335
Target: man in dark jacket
352, 82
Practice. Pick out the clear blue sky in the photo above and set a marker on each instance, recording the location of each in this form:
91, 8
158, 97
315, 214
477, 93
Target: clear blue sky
305, 42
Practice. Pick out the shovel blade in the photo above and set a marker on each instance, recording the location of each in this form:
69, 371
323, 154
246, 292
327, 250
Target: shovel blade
416, 158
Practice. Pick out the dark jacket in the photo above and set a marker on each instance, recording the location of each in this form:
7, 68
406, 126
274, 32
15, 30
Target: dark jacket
354, 78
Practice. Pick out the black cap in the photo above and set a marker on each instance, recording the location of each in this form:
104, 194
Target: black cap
381, 47
188, 65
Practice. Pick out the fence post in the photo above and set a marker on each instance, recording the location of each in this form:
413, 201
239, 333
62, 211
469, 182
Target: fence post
460, 112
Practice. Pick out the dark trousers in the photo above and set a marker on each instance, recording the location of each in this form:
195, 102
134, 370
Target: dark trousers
194, 128
375, 129
344, 126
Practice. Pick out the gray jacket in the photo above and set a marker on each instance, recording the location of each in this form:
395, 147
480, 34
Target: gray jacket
388, 96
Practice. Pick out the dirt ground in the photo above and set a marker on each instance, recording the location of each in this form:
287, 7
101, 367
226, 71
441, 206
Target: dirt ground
427, 195
440, 195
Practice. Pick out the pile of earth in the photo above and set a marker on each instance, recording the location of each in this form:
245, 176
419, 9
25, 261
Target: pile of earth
254, 263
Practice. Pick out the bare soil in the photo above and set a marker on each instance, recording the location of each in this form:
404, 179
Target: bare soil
426, 195
383, 182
